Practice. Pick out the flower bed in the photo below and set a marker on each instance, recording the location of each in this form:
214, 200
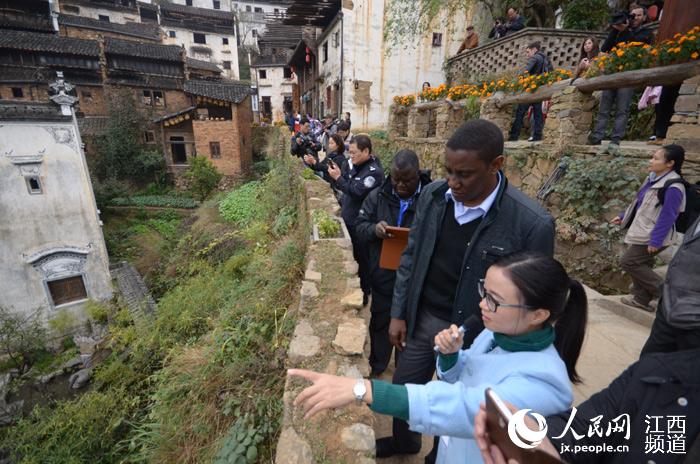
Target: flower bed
630, 56
484, 89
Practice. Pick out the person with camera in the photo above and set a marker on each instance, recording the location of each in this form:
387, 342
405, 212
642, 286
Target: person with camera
303, 142
497, 31
623, 28
335, 156
392, 204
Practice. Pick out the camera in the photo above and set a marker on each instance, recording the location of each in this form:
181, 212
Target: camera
620, 18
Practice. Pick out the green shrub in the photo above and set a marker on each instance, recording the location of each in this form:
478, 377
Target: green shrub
202, 177
241, 205
162, 201
327, 226
308, 174
63, 322
98, 312
81, 430
586, 15
22, 337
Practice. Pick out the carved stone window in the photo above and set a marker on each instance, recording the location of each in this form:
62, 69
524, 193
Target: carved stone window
68, 290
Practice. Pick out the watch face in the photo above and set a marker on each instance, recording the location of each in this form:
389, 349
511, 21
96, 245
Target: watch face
359, 389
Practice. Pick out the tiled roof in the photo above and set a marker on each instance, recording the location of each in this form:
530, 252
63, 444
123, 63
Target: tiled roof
280, 36
14, 110
172, 115
143, 50
278, 59
34, 41
231, 91
200, 64
194, 11
142, 30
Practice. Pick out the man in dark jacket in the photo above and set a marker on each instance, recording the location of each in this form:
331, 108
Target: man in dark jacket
515, 22
303, 142
462, 225
622, 29
364, 176
537, 63
392, 204
655, 401
677, 323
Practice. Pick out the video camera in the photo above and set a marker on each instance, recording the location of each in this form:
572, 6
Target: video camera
621, 17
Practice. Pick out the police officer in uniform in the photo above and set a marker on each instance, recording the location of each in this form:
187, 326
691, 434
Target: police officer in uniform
365, 175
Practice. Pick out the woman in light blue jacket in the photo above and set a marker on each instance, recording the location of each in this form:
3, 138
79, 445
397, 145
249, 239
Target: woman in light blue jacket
535, 319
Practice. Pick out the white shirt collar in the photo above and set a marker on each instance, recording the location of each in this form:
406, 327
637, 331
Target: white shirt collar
464, 214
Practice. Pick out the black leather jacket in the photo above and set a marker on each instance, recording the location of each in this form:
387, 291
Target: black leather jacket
513, 223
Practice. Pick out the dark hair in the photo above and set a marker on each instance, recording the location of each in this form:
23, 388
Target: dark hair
470, 28
544, 283
343, 126
339, 142
535, 44
594, 52
514, 8
363, 142
304, 120
405, 159
479, 135
674, 153
423, 85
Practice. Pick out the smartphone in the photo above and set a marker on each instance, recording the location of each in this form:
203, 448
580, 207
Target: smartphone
331, 163
497, 418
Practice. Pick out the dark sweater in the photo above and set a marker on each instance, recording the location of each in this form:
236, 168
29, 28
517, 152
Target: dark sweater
445, 267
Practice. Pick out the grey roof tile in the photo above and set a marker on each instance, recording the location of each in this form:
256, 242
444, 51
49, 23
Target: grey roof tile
231, 91
143, 50
142, 30
34, 41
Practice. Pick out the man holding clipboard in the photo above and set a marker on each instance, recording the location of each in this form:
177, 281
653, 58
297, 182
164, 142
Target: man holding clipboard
382, 226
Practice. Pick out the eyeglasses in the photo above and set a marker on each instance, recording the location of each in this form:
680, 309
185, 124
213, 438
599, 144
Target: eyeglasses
493, 305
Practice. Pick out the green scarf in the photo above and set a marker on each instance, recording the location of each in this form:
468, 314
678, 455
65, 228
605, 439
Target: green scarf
532, 341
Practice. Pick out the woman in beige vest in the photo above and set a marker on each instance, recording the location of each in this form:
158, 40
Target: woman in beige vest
651, 224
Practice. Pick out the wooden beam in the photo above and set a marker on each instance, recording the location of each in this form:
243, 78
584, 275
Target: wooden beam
663, 75
541, 94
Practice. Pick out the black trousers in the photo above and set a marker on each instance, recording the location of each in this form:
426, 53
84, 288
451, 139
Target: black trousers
664, 338
360, 253
416, 365
538, 122
664, 109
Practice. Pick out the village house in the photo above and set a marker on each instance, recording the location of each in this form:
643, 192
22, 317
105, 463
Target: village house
161, 79
254, 17
271, 73
206, 34
343, 65
52, 253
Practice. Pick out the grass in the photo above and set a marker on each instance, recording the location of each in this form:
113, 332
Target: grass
210, 366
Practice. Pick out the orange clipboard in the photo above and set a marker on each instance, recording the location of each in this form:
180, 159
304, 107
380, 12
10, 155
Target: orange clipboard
393, 247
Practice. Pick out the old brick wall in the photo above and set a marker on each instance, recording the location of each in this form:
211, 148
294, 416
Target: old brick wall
29, 92
91, 100
243, 115
226, 134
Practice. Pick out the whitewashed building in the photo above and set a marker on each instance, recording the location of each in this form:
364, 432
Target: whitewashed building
344, 66
206, 34
52, 252
254, 17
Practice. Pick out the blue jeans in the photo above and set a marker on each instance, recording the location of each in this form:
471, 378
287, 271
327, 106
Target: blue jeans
621, 98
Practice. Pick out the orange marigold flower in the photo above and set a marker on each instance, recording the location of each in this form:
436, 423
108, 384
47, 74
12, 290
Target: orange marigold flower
694, 55
620, 53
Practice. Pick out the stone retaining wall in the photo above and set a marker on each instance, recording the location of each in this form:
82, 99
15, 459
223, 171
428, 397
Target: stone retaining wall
331, 337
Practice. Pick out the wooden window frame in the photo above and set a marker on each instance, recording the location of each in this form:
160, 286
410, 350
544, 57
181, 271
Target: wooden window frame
80, 299
215, 150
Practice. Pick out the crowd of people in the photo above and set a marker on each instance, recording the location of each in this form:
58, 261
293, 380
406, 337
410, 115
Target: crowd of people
628, 26
479, 299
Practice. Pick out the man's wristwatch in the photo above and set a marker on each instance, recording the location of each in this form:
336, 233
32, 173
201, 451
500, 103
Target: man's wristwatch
359, 390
